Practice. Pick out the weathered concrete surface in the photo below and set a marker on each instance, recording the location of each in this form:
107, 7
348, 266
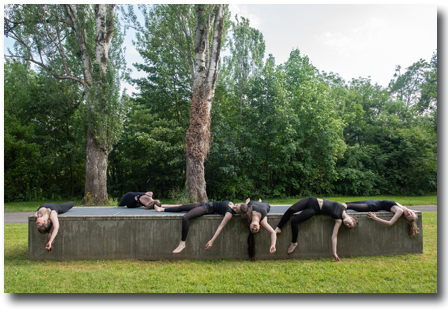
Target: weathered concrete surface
22, 217
147, 235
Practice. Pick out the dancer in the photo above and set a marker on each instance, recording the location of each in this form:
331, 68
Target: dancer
141, 199
310, 207
254, 214
372, 206
197, 210
47, 220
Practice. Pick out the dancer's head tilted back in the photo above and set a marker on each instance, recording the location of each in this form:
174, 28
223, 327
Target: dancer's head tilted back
411, 217
43, 225
246, 215
351, 221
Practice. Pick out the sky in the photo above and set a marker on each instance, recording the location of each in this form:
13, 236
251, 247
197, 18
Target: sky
350, 40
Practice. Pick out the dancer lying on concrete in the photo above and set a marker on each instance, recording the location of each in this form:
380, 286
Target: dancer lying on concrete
310, 207
47, 219
141, 199
372, 206
196, 210
254, 214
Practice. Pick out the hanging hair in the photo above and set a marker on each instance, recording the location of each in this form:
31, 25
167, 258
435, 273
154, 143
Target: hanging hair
412, 228
251, 246
355, 222
150, 205
246, 213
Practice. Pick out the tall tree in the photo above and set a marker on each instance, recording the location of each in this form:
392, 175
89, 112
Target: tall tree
182, 43
73, 42
206, 72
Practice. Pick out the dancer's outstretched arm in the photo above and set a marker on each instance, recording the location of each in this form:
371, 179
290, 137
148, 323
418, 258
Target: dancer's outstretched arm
264, 223
228, 216
334, 238
55, 222
397, 215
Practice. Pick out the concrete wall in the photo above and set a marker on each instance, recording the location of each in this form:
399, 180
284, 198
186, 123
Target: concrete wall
153, 237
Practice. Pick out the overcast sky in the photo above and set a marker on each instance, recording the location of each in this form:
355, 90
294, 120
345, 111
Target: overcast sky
351, 40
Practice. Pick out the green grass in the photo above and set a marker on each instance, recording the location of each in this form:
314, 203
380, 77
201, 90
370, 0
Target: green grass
404, 200
410, 273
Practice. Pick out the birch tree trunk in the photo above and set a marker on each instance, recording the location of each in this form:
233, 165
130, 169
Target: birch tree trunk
205, 76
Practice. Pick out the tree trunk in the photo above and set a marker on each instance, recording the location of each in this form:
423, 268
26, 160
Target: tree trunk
206, 73
197, 143
96, 173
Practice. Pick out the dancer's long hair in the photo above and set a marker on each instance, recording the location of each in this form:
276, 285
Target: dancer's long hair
246, 215
412, 228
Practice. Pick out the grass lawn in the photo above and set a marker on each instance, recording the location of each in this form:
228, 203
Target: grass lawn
410, 273
404, 200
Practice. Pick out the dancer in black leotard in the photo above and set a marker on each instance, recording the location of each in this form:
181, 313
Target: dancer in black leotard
254, 214
141, 199
372, 206
197, 210
47, 219
310, 207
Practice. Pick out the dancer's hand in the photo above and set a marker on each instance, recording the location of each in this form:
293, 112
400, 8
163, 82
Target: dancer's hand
272, 249
248, 200
371, 215
336, 257
48, 247
277, 230
209, 244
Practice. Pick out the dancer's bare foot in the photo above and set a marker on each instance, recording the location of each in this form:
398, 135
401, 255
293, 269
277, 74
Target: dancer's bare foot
180, 247
292, 247
277, 230
259, 200
158, 209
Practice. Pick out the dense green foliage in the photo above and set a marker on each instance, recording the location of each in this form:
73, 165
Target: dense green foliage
286, 130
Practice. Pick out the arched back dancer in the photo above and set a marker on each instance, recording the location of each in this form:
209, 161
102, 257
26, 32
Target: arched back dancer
310, 207
254, 214
372, 206
47, 220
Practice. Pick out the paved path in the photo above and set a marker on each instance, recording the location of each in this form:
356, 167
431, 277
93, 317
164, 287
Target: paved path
22, 217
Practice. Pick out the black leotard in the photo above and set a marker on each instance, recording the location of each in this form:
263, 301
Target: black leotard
222, 208
387, 205
333, 209
59, 208
128, 199
262, 207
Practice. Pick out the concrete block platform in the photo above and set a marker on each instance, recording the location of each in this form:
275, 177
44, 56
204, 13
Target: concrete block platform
100, 233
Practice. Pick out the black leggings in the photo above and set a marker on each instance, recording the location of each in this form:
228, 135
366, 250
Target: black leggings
194, 211
307, 212
360, 206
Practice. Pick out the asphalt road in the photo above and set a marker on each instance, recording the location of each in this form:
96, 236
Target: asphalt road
22, 217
